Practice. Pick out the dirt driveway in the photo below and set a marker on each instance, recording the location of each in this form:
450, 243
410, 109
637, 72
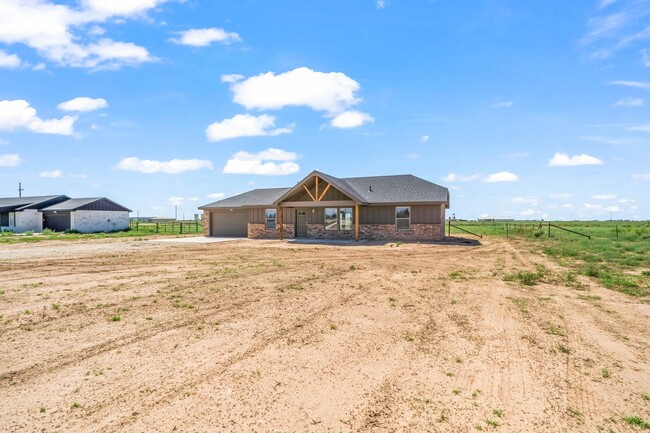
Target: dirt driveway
265, 336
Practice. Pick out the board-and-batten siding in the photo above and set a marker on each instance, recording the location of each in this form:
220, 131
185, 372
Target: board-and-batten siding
332, 194
422, 214
258, 215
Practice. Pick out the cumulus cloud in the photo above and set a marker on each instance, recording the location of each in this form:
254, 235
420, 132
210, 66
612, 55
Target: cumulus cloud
454, 177
604, 196
528, 212
643, 176
216, 195
63, 33
173, 166
560, 195
641, 128
332, 92
9, 61
381, 4
268, 162
502, 176
205, 37
533, 201
564, 160
50, 174
629, 102
83, 103
9, 160
503, 104
424, 138
19, 114
351, 119
245, 125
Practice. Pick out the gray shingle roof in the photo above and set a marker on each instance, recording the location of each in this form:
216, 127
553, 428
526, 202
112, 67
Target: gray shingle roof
76, 203
256, 197
367, 190
11, 204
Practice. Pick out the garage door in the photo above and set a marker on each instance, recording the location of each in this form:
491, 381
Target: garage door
58, 222
230, 224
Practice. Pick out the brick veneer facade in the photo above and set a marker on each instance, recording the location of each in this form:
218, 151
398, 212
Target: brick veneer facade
206, 223
259, 231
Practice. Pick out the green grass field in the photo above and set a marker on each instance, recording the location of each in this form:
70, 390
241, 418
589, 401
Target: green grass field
620, 262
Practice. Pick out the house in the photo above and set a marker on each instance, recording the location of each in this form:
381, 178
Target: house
321, 206
60, 212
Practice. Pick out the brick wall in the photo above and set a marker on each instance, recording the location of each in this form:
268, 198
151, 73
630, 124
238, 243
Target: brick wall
418, 232
259, 231
94, 221
317, 231
206, 223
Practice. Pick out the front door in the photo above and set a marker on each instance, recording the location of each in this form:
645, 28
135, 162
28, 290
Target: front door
301, 223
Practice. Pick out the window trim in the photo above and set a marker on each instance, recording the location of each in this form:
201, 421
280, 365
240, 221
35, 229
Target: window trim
267, 219
338, 219
402, 218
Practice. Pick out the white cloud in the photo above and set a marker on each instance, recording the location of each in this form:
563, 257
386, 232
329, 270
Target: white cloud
517, 155
643, 176
502, 176
9, 160
332, 92
50, 174
629, 102
503, 104
641, 128
381, 4
205, 37
560, 195
351, 119
231, 78
245, 125
19, 114
635, 84
612, 209
412, 156
174, 201
263, 163
453, 177
424, 138
533, 201
563, 160
3, 142
83, 103
216, 195
605, 3
646, 58
9, 61
603, 197
173, 166
528, 212
62, 33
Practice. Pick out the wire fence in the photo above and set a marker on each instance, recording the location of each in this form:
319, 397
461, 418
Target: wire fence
171, 227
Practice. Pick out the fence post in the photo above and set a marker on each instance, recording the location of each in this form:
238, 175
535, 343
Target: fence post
181, 227
506, 230
137, 225
156, 227
549, 230
449, 227
616, 231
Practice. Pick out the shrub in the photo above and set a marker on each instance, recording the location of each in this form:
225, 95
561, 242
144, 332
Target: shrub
71, 231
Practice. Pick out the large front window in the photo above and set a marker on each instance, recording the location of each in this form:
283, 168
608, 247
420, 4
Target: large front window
4, 219
271, 217
331, 221
338, 218
403, 218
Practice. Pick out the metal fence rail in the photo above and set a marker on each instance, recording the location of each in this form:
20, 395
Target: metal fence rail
462, 230
565, 229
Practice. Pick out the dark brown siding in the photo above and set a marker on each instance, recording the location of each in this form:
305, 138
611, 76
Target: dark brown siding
102, 205
429, 214
258, 215
377, 215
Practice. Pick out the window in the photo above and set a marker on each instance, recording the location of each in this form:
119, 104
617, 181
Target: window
345, 218
4, 219
403, 218
271, 216
331, 222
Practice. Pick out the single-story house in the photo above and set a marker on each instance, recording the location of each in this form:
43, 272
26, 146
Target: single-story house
60, 212
403, 207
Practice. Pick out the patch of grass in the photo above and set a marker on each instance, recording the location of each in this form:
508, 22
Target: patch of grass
458, 359
42, 409
333, 327
148, 318
476, 393
555, 330
456, 391
605, 373
449, 374
497, 412
573, 412
589, 297
409, 338
646, 397
524, 278
75, 405
563, 349
56, 307
638, 422
492, 423
115, 318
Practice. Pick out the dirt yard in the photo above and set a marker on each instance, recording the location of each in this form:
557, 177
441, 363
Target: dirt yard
264, 336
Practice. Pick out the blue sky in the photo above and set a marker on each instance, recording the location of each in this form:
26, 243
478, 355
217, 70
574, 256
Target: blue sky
524, 109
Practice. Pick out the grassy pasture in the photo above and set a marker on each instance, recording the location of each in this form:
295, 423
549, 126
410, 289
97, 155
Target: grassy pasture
621, 264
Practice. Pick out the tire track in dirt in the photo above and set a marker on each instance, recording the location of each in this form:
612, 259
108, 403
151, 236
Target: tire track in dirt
22, 375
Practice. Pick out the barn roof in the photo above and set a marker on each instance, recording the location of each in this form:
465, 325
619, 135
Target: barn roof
78, 203
370, 190
11, 204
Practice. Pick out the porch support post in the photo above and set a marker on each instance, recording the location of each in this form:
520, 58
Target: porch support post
356, 223
281, 224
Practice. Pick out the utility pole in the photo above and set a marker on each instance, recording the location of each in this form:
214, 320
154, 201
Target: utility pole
176, 212
20, 189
